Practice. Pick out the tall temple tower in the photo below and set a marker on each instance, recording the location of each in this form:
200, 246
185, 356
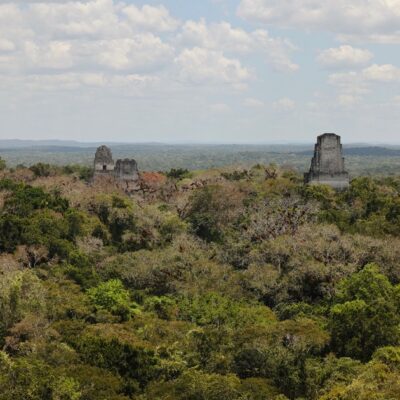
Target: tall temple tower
103, 161
327, 165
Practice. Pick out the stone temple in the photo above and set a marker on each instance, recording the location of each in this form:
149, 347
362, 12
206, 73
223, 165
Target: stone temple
126, 170
122, 170
327, 165
103, 161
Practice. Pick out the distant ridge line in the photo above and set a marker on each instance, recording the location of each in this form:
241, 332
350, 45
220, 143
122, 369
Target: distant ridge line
375, 151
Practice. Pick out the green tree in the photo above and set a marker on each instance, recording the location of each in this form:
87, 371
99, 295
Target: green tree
178, 173
211, 210
21, 294
66, 389
366, 315
113, 297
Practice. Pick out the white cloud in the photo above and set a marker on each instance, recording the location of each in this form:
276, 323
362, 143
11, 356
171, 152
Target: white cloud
372, 20
253, 103
199, 65
139, 52
97, 36
375, 73
382, 73
216, 36
354, 85
151, 18
95, 18
83, 36
51, 55
344, 56
284, 104
222, 36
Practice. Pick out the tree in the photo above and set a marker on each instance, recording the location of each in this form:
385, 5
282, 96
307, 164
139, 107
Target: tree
212, 209
178, 173
113, 297
366, 314
21, 294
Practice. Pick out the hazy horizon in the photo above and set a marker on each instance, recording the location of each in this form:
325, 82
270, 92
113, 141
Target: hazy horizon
177, 143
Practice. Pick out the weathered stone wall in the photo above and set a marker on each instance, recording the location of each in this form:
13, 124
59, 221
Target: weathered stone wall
126, 170
327, 165
123, 174
103, 161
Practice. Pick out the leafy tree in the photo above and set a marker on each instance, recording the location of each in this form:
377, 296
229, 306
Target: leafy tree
178, 173
366, 315
211, 209
325, 373
21, 294
66, 389
379, 379
42, 170
119, 352
113, 297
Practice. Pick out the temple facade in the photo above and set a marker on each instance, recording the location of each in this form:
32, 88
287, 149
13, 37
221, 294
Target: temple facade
327, 165
122, 170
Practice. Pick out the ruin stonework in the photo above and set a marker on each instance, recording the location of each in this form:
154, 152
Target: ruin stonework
126, 169
103, 161
124, 172
327, 165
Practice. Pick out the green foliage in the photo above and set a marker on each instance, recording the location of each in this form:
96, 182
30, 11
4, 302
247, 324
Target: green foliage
127, 359
214, 309
388, 355
322, 374
366, 315
164, 307
178, 173
251, 287
26, 199
113, 297
195, 385
84, 173
210, 210
21, 294
236, 175
66, 389
43, 170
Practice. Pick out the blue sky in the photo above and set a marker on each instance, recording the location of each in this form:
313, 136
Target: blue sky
232, 71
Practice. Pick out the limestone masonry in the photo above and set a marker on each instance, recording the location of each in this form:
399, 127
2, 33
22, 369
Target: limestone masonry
103, 161
123, 170
327, 165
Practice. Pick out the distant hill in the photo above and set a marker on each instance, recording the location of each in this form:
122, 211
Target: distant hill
373, 151
17, 144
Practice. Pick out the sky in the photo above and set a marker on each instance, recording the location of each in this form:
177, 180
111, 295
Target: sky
225, 71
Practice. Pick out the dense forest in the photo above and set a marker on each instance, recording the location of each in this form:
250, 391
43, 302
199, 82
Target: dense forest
231, 283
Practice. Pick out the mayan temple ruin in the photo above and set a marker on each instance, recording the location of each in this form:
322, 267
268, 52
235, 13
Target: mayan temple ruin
327, 165
103, 161
122, 171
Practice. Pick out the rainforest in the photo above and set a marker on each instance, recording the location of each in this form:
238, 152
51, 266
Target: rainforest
219, 284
